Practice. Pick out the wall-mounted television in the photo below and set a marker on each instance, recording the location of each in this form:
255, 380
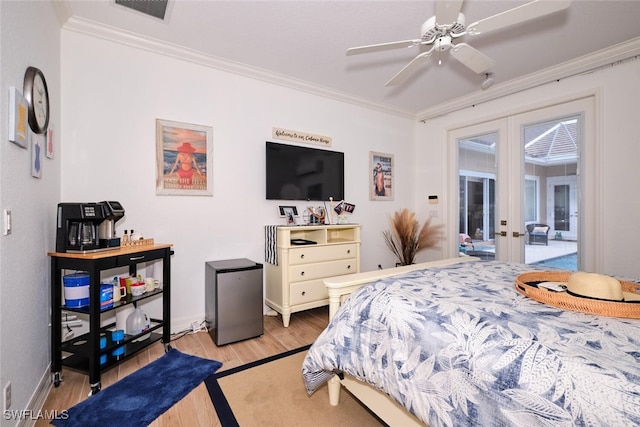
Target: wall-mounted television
303, 173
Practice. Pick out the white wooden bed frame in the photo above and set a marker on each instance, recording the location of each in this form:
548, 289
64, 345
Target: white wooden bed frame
339, 288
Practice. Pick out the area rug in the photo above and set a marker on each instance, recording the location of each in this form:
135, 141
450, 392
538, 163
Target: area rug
271, 392
139, 398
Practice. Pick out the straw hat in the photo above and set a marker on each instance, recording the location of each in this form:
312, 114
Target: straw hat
186, 147
599, 286
583, 292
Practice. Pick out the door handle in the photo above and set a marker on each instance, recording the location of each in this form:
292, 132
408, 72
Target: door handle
516, 234
500, 233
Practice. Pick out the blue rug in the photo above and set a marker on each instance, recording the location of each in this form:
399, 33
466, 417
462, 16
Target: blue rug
142, 396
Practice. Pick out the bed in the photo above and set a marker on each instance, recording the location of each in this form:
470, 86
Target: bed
453, 343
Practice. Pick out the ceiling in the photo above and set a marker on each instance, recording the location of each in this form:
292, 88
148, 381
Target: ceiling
304, 41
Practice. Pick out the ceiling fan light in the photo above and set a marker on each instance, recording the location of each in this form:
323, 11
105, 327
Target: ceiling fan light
433, 31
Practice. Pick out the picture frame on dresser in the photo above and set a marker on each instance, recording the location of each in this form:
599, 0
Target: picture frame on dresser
290, 215
284, 209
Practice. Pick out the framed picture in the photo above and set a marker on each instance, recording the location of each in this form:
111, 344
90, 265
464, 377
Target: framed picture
381, 169
290, 215
49, 150
19, 131
184, 159
37, 148
343, 207
285, 209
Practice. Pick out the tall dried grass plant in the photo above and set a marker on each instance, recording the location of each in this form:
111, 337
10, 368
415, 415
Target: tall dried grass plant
406, 238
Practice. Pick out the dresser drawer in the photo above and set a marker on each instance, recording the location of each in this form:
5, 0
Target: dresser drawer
319, 270
312, 253
309, 291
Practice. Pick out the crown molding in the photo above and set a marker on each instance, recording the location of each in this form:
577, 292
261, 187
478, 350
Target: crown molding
582, 65
116, 35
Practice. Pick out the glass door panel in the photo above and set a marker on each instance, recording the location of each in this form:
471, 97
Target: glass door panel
550, 149
477, 169
561, 207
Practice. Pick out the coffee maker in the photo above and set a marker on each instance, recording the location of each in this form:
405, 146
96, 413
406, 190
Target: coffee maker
87, 227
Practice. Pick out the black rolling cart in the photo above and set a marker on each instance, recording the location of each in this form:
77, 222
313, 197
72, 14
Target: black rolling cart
84, 351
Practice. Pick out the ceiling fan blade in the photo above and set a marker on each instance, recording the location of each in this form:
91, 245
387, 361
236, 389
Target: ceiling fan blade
381, 47
447, 11
526, 12
408, 69
472, 57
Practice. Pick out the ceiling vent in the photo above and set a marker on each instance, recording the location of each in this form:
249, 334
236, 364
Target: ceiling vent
155, 8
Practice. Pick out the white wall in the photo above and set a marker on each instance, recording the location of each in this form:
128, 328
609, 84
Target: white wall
24, 265
114, 93
618, 128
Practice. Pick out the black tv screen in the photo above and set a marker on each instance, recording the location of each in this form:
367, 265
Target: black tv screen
302, 173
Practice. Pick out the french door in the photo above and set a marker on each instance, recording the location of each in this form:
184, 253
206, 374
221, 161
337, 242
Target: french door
563, 207
517, 171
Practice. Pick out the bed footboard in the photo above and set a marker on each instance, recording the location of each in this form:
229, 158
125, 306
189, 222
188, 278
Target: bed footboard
339, 288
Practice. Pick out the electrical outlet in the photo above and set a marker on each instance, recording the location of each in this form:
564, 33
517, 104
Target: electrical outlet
7, 396
195, 326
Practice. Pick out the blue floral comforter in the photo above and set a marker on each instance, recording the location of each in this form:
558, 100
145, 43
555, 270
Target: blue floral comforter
458, 345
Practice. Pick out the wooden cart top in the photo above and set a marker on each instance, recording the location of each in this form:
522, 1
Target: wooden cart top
123, 250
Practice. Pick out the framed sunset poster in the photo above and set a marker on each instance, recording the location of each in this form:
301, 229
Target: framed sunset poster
184, 159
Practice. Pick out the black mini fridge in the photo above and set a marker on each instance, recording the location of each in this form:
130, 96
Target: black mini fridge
233, 300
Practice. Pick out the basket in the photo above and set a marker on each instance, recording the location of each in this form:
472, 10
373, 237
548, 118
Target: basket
141, 242
526, 284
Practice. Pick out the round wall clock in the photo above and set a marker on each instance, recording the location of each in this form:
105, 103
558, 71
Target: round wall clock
37, 96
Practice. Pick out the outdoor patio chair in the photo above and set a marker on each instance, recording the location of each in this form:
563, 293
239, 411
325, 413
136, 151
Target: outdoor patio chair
538, 233
464, 241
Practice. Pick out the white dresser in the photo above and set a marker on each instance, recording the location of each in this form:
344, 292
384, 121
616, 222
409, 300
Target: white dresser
295, 283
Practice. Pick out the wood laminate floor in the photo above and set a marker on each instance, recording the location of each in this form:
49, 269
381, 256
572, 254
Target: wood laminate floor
196, 408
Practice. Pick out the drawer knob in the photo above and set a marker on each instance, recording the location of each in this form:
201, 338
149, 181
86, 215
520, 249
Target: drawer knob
348, 267
304, 293
302, 273
348, 251
301, 256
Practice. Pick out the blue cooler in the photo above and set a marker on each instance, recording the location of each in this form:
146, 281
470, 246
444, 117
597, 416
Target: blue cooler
76, 289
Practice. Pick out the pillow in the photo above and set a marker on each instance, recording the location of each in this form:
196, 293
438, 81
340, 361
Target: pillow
540, 229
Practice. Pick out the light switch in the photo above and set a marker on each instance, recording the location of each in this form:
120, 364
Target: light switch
7, 222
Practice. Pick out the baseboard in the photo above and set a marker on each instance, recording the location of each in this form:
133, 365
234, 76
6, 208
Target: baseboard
182, 324
38, 398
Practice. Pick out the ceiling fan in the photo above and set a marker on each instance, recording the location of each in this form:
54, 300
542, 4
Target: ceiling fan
449, 23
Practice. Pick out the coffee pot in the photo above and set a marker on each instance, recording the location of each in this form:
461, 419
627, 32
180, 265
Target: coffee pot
77, 227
